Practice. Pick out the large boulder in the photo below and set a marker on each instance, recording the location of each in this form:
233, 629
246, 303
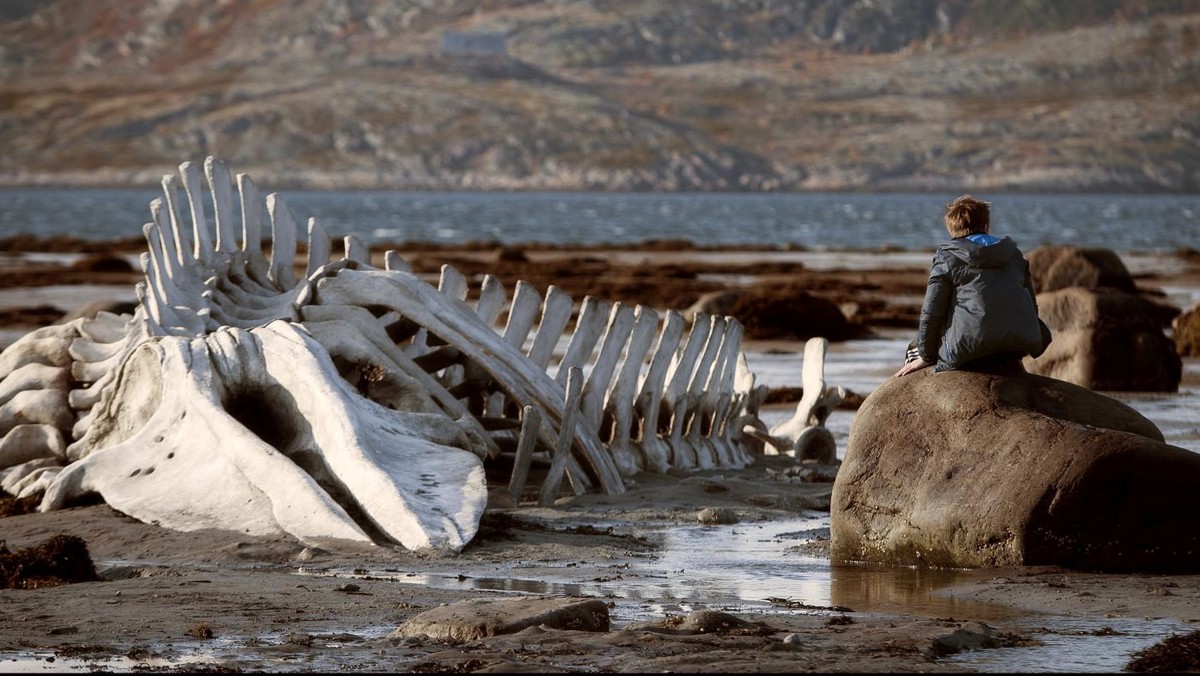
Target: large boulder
962, 469
1054, 267
1106, 339
771, 311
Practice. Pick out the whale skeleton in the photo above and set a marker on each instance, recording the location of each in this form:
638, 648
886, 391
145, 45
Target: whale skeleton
346, 401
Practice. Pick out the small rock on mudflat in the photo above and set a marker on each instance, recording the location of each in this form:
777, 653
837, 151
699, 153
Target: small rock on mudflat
475, 619
717, 515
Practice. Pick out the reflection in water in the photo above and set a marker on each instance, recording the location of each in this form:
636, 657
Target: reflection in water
741, 563
510, 584
733, 567
740, 568
882, 589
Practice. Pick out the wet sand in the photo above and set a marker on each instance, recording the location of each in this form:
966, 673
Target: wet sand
220, 601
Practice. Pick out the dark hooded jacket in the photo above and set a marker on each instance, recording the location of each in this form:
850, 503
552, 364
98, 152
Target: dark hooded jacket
979, 304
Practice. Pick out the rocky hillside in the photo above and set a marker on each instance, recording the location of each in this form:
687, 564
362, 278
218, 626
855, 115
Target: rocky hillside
607, 94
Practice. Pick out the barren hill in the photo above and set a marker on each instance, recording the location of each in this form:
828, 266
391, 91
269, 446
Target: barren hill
607, 94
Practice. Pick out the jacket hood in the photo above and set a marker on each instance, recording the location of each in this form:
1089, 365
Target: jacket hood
989, 256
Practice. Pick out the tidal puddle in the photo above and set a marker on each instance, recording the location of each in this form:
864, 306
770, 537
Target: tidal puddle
735, 567
745, 568
1073, 645
754, 568
46, 662
269, 652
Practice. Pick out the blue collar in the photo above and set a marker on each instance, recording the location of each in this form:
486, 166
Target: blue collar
983, 239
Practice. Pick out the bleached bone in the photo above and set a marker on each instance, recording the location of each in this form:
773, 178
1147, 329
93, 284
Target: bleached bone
588, 328
491, 302
105, 327
47, 345
743, 422
562, 444
392, 260
36, 482
220, 184
715, 397
36, 406
619, 403
521, 315
531, 421
556, 313
33, 376
31, 441
620, 324
349, 401
655, 453
491, 299
355, 250
15, 479
444, 317
676, 400
348, 333
452, 283
300, 452
692, 435
283, 243
804, 435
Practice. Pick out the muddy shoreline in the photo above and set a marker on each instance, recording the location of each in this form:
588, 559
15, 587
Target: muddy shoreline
221, 601
216, 600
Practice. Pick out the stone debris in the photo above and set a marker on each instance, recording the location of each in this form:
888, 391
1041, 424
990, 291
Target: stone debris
480, 618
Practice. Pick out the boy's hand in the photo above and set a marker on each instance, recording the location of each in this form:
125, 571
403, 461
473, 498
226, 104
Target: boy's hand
912, 366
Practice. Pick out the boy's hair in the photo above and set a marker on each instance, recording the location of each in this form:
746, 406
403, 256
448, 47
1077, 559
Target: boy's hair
967, 216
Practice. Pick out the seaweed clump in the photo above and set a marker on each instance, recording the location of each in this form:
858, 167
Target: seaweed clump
1173, 654
62, 559
11, 506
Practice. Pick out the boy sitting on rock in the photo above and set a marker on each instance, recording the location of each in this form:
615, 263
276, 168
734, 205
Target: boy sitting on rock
980, 310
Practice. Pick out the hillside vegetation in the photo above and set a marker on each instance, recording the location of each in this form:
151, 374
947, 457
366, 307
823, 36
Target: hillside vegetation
607, 94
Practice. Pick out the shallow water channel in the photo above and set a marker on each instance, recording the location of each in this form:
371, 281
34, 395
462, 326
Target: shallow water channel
746, 569
749, 568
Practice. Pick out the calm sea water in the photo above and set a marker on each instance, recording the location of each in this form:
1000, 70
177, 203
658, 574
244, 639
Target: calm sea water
837, 221
1131, 224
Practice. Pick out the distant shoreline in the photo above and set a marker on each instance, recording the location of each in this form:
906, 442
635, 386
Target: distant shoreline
151, 180
824, 222
27, 242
